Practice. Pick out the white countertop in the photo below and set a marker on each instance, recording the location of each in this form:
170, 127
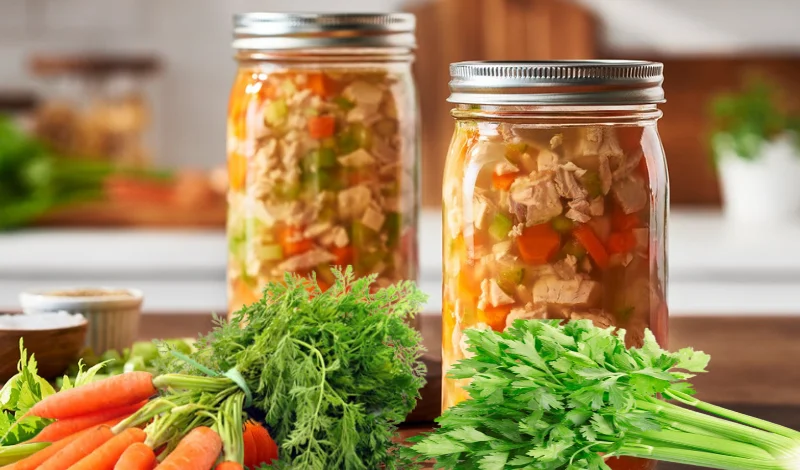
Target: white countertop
715, 268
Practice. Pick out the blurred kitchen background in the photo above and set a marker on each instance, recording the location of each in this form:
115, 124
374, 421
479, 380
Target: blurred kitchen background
143, 85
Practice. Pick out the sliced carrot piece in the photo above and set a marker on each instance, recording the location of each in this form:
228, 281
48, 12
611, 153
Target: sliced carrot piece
503, 182
621, 242
495, 317
621, 221
593, 245
321, 127
237, 171
538, 244
343, 254
319, 84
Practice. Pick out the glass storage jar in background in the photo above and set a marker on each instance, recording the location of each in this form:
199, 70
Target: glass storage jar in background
555, 201
322, 149
96, 106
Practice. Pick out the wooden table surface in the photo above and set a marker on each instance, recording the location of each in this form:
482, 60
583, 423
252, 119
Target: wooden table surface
753, 368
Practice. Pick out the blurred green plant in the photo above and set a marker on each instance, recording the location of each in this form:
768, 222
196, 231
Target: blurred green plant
34, 181
744, 121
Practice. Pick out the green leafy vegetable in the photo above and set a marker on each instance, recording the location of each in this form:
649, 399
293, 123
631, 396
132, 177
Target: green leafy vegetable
552, 396
744, 121
33, 181
17, 396
331, 373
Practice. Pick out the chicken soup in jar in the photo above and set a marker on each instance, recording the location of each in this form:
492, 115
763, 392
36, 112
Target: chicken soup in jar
554, 202
322, 150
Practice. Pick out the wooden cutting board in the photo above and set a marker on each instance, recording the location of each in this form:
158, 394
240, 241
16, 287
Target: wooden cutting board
140, 215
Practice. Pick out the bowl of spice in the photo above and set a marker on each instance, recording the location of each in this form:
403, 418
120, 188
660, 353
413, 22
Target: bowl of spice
113, 313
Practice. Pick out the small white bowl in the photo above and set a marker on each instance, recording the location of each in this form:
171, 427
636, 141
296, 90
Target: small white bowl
113, 314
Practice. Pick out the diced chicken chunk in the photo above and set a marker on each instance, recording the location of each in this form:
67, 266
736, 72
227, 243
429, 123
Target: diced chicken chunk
481, 207
578, 293
579, 211
535, 200
315, 230
631, 194
529, 312
627, 165
492, 294
361, 92
604, 171
546, 161
358, 158
373, 218
567, 184
600, 318
566, 268
505, 168
354, 201
599, 141
306, 260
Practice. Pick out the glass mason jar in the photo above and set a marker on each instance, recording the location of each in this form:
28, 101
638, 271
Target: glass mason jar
322, 150
555, 201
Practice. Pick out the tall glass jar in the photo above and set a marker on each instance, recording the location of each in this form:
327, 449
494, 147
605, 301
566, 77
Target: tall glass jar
555, 201
322, 149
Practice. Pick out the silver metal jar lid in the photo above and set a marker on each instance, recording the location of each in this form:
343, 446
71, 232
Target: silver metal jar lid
287, 31
585, 82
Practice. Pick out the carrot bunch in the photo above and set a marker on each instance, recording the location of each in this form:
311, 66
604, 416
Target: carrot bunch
196, 424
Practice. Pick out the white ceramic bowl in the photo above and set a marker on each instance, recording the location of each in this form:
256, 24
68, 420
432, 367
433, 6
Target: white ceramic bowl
113, 314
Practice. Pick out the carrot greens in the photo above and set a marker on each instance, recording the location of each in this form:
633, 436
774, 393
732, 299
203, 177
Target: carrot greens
551, 396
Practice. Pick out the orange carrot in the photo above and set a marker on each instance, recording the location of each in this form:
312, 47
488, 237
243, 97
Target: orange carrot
138, 456
65, 427
292, 241
503, 182
538, 244
343, 254
113, 392
78, 449
250, 450
319, 84
237, 171
229, 466
34, 461
621, 242
593, 245
321, 127
622, 221
106, 456
495, 317
267, 450
197, 451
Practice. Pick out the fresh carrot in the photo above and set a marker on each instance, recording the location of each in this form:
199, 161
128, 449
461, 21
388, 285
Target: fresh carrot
237, 171
68, 426
106, 456
267, 450
250, 450
593, 245
293, 243
503, 182
197, 451
229, 466
113, 392
318, 84
34, 461
538, 243
621, 242
321, 127
78, 449
138, 456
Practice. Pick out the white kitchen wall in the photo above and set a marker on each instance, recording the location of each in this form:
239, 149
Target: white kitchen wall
192, 37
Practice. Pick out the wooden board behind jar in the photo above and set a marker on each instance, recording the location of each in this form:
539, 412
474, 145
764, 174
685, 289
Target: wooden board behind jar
456, 30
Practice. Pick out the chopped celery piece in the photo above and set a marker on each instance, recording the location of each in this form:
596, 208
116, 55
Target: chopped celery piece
318, 180
500, 227
510, 278
354, 137
311, 112
288, 87
362, 135
362, 235
269, 252
346, 143
320, 158
275, 112
287, 191
392, 226
562, 224
513, 151
328, 143
367, 260
591, 181
574, 248
343, 103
